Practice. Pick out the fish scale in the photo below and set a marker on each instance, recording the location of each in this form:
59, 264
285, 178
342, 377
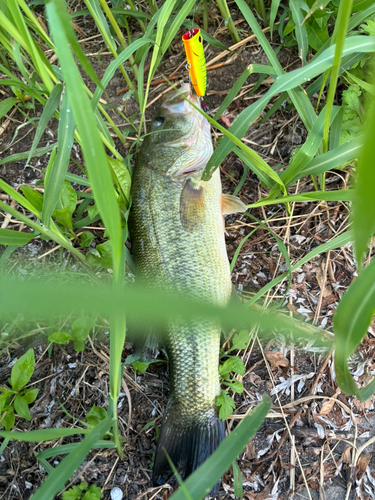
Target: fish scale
178, 244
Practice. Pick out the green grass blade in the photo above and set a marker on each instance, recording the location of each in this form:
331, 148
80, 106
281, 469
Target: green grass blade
54, 181
261, 175
78, 180
300, 100
3, 258
48, 111
200, 483
176, 24
68, 448
44, 297
344, 195
6, 105
352, 318
23, 156
57, 479
42, 435
274, 8
9, 237
21, 200
163, 17
300, 29
92, 147
111, 69
364, 206
337, 242
341, 27
362, 44
333, 159
252, 68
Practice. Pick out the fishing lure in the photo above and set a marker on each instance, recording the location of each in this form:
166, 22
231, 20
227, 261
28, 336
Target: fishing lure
195, 59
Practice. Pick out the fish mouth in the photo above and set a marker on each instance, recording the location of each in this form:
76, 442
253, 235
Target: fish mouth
179, 102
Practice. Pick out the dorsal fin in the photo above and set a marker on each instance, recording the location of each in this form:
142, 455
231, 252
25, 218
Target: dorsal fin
191, 206
231, 204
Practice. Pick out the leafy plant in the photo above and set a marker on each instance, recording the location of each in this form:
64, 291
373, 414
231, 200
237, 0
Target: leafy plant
79, 332
229, 367
17, 399
83, 492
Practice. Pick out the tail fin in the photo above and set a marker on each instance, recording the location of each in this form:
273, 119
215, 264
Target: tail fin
189, 441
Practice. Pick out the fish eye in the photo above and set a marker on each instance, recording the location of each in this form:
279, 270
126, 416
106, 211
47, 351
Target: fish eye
158, 120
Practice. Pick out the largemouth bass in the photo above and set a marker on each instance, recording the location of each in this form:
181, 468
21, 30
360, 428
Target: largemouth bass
178, 244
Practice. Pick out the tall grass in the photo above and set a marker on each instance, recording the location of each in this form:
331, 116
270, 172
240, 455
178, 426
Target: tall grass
62, 93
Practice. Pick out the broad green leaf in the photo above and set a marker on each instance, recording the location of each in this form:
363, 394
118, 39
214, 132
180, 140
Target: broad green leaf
352, 318
48, 112
226, 404
30, 395
81, 327
234, 385
9, 237
59, 337
34, 197
86, 239
3, 399
21, 407
123, 177
65, 205
56, 480
54, 184
233, 364
240, 340
95, 415
6, 105
363, 205
101, 256
22, 370
7, 419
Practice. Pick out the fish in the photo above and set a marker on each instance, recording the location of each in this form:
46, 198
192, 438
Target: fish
178, 245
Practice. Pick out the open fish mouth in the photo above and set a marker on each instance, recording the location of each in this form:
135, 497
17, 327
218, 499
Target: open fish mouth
178, 102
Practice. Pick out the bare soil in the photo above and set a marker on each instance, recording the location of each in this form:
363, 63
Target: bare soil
305, 442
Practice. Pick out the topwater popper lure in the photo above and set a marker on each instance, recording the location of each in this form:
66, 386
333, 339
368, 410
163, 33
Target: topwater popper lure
193, 44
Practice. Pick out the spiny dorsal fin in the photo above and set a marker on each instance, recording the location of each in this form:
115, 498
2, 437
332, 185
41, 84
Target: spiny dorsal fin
231, 204
191, 206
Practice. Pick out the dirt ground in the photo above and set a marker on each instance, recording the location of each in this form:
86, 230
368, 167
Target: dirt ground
304, 444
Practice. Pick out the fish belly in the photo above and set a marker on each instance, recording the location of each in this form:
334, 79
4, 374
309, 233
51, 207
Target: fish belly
192, 263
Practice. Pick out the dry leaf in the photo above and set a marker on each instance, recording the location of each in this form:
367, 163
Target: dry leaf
276, 359
362, 464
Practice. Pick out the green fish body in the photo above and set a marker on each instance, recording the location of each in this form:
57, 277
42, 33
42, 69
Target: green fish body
178, 243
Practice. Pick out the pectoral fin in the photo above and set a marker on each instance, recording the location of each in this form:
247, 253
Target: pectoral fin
231, 204
191, 206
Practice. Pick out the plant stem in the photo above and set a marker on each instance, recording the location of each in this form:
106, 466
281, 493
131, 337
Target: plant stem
345, 9
205, 16
119, 34
224, 10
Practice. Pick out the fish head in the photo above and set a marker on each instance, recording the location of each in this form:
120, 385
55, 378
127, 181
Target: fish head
179, 142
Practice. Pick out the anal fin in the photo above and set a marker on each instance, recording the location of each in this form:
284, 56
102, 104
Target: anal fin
231, 204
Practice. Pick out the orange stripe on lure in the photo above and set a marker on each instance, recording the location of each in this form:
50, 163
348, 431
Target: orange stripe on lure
196, 62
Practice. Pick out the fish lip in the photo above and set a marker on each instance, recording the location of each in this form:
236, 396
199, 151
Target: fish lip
184, 95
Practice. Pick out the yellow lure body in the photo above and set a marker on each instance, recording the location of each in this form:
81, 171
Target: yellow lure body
193, 44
